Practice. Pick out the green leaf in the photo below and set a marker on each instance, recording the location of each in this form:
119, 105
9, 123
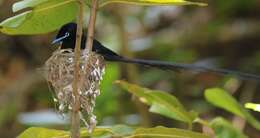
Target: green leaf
160, 102
37, 132
114, 131
45, 17
110, 131
151, 2
98, 132
224, 129
222, 99
27, 4
122, 130
163, 132
253, 106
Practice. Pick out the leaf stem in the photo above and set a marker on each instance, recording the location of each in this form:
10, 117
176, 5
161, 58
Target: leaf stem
75, 118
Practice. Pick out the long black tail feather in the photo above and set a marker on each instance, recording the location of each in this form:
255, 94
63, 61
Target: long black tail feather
188, 67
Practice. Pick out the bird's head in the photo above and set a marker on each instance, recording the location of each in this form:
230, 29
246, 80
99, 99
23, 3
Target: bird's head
66, 36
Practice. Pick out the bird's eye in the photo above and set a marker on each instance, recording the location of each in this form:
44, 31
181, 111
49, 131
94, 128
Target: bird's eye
67, 34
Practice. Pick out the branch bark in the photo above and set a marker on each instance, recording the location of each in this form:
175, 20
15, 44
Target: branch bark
75, 118
91, 25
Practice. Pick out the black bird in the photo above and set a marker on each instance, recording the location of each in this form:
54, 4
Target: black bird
67, 38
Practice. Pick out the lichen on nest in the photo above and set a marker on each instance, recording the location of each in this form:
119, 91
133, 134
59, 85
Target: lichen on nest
59, 72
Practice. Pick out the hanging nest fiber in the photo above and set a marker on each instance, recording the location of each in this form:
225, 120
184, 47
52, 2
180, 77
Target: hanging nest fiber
59, 72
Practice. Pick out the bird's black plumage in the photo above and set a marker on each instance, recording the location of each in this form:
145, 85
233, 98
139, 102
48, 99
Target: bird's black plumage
69, 42
67, 37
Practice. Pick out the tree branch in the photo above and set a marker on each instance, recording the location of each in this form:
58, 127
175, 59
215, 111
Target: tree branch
91, 25
75, 118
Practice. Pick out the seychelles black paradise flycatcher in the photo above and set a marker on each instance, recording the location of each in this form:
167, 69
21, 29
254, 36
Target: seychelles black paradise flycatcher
67, 38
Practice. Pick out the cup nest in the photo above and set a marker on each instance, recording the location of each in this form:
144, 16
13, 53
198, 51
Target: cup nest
59, 72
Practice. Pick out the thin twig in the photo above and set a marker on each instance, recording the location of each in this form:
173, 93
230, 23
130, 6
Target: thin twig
91, 25
75, 118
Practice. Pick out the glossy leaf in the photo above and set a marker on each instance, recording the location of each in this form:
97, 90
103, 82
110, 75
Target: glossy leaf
45, 17
160, 102
253, 106
27, 4
163, 132
37, 132
222, 99
114, 131
151, 2
224, 129
108, 131
122, 130
48, 15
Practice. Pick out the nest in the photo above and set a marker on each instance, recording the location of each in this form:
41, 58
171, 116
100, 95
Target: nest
59, 71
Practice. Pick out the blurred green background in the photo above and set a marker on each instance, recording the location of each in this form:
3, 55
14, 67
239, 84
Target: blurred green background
225, 34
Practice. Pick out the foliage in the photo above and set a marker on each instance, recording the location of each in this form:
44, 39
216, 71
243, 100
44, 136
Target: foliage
222, 99
151, 2
119, 131
34, 132
160, 102
221, 127
224, 129
253, 106
48, 15
44, 17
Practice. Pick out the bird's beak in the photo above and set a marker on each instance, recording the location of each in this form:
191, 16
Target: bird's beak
59, 40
